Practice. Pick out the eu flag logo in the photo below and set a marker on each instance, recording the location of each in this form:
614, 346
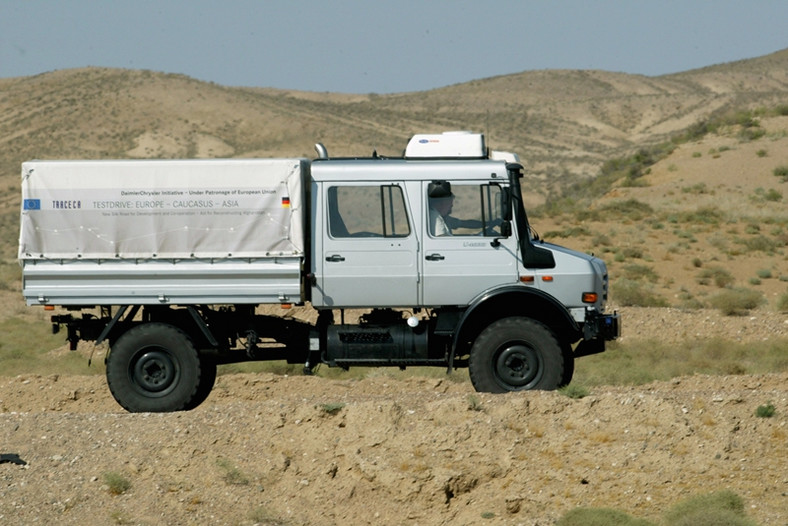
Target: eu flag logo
31, 204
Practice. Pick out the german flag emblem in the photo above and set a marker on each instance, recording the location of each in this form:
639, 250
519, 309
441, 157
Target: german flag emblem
285, 202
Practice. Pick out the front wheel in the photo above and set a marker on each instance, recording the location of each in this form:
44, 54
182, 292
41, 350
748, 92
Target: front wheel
155, 367
516, 354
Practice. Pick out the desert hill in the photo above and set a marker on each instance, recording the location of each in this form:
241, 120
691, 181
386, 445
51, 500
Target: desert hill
695, 227
565, 124
561, 122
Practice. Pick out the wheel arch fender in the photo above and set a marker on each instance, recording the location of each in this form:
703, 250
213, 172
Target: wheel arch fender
513, 301
189, 320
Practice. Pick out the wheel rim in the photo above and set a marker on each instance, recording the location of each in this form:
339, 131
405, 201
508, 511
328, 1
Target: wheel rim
154, 372
517, 366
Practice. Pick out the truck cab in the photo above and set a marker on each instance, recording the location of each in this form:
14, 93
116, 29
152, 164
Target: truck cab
374, 224
443, 231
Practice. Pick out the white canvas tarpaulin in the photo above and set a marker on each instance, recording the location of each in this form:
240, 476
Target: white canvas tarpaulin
228, 208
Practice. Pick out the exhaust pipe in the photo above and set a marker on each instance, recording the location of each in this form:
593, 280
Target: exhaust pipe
322, 153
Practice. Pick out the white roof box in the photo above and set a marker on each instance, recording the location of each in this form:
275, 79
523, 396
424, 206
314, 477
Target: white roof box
509, 157
447, 145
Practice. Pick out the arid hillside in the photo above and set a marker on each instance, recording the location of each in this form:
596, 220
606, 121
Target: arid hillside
705, 215
705, 226
564, 124
678, 182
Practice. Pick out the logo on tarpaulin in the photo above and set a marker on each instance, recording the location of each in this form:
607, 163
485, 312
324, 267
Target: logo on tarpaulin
31, 204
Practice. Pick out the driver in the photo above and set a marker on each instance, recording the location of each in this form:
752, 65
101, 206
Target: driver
441, 201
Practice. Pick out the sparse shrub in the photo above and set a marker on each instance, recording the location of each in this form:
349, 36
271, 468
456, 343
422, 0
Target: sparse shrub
709, 215
261, 515
743, 118
713, 509
232, 475
773, 195
116, 482
718, 275
760, 243
736, 301
689, 302
632, 252
765, 411
570, 232
601, 240
474, 404
718, 241
752, 228
782, 302
574, 391
764, 273
332, 408
685, 234
697, 154
751, 133
632, 293
699, 188
600, 517
629, 209
761, 153
639, 272
118, 517
781, 171
662, 360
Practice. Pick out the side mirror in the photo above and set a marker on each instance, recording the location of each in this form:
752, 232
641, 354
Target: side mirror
506, 228
506, 205
506, 231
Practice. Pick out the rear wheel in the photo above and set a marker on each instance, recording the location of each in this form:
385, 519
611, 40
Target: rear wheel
155, 367
207, 379
516, 354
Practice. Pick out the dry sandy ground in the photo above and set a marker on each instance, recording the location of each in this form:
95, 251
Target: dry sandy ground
304, 450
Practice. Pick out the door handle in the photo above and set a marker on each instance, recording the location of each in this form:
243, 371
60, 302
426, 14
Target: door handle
435, 257
335, 258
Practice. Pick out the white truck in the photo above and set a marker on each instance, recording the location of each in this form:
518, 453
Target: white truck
171, 262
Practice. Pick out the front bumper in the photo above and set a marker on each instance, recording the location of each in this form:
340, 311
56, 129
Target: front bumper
597, 329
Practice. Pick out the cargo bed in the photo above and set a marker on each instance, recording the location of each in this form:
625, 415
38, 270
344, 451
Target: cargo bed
162, 232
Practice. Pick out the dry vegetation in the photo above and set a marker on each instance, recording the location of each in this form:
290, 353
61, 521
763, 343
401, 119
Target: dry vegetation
703, 224
678, 182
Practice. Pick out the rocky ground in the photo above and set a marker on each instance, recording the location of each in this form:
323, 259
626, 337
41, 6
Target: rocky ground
305, 450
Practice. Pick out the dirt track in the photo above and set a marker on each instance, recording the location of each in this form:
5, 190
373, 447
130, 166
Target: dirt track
306, 450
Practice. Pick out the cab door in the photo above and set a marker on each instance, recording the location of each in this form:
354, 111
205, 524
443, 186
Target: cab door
471, 256
369, 253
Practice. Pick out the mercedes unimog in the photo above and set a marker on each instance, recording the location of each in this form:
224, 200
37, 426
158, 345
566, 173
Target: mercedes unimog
182, 265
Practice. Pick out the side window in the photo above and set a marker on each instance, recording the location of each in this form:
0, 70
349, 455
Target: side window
367, 211
464, 209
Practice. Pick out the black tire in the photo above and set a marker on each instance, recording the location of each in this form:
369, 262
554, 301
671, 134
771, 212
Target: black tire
154, 367
569, 364
207, 379
516, 354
